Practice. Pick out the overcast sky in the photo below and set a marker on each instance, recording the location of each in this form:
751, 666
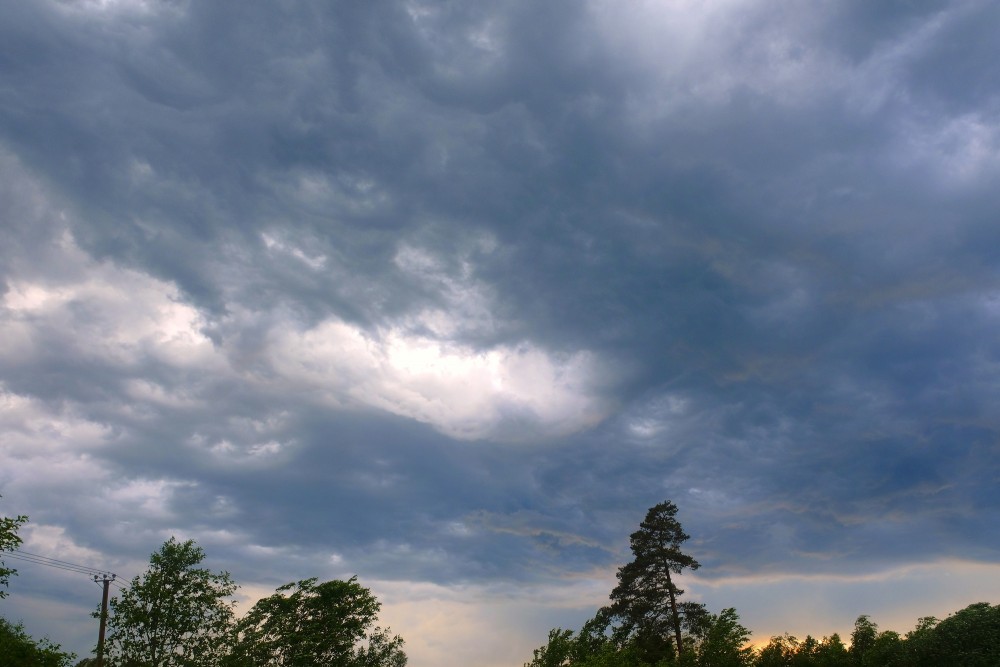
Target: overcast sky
448, 294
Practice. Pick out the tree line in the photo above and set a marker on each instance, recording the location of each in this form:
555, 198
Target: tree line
649, 624
181, 614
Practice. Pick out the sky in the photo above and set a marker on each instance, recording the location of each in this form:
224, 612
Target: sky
446, 295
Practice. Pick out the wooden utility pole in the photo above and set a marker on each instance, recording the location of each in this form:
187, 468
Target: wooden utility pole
104, 616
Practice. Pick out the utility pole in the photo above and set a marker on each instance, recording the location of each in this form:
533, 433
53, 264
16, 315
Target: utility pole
104, 616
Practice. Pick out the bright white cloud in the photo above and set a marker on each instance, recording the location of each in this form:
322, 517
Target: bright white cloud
464, 392
126, 319
117, 315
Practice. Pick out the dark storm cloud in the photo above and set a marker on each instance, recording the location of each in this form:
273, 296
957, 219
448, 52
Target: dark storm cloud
743, 257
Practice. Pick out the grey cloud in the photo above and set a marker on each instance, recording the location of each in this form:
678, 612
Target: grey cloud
780, 255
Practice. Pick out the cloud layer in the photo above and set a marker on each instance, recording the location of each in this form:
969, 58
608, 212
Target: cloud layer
448, 295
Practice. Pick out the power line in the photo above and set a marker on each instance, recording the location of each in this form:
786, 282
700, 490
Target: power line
41, 561
38, 559
101, 577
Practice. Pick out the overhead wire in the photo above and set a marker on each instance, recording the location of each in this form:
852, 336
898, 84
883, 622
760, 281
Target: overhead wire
38, 559
31, 558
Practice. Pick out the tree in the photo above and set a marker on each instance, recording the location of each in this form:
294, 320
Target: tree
886, 650
646, 597
968, 638
725, 642
556, 652
831, 652
779, 652
592, 645
863, 638
918, 643
8, 542
175, 614
805, 653
18, 649
609, 655
305, 624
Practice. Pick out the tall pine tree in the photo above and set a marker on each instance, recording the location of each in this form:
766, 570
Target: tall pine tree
645, 601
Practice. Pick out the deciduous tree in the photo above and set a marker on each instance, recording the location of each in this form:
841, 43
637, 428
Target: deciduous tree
863, 638
176, 614
18, 649
725, 642
8, 542
779, 652
831, 652
918, 645
305, 624
968, 638
556, 652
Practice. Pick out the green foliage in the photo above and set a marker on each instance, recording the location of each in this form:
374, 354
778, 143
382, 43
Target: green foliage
609, 655
305, 624
778, 652
862, 639
886, 650
8, 542
645, 600
805, 654
556, 652
592, 639
645, 625
721, 643
787, 651
967, 638
725, 642
831, 652
18, 649
175, 614
918, 643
